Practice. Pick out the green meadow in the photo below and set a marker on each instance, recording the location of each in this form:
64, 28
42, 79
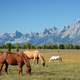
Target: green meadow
68, 69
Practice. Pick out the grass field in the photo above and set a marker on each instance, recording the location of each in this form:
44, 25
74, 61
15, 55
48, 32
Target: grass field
69, 69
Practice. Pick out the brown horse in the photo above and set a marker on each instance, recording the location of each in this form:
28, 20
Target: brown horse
15, 59
35, 55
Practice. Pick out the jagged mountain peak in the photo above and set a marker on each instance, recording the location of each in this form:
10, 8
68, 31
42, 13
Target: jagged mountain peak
78, 21
72, 31
50, 30
69, 34
16, 34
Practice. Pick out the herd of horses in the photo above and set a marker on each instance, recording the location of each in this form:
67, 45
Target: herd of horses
21, 58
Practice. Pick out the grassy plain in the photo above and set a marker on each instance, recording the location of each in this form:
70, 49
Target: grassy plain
69, 69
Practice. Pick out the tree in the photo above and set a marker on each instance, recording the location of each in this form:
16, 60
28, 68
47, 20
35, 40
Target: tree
27, 46
77, 46
17, 47
9, 46
61, 46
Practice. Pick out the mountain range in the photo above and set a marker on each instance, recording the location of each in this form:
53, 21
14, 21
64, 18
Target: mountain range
68, 35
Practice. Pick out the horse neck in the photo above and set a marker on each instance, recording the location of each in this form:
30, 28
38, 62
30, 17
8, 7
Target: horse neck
25, 58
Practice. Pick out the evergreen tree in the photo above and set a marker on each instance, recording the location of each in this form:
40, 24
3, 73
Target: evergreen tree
9, 46
17, 47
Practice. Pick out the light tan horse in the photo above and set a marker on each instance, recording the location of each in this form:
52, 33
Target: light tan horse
35, 55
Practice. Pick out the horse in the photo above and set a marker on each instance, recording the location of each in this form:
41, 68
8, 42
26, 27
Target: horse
55, 58
35, 55
11, 58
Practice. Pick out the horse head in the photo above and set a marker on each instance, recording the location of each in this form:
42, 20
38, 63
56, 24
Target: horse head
27, 62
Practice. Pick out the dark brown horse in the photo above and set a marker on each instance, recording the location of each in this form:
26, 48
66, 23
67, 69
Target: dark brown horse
15, 59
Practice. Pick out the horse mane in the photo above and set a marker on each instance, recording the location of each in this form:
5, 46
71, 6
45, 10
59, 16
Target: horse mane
25, 52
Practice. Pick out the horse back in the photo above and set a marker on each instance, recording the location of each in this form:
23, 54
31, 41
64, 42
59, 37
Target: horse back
2, 58
11, 59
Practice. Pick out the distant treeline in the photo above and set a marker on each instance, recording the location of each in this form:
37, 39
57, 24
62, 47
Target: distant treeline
17, 46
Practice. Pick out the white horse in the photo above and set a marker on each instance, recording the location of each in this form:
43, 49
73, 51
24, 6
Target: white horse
54, 58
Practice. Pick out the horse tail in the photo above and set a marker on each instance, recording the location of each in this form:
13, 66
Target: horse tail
42, 60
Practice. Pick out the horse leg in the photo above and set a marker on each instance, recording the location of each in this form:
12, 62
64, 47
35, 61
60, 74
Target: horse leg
1, 66
34, 60
37, 60
28, 70
6, 67
60, 59
20, 71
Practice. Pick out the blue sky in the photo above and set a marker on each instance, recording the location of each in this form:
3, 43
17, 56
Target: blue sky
35, 15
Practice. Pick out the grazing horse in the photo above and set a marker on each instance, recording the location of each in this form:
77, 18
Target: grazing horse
15, 59
55, 58
35, 55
